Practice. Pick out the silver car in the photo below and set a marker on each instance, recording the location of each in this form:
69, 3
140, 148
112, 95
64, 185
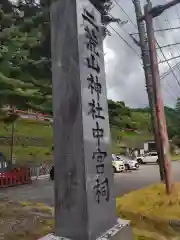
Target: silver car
130, 164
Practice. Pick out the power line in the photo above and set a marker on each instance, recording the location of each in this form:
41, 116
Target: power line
167, 21
170, 45
165, 74
123, 28
118, 4
178, 18
155, 40
126, 42
166, 60
125, 13
171, 70
164, 46
169, 92
161, 30
167, 63
170, 59
178, 15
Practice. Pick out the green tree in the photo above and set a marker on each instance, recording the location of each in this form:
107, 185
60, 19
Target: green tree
120, 115
24, 78
25, 66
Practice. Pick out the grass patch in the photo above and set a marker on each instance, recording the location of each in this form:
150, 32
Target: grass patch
30, 221
150, 209
27, 127
31, 154
28, 152
25, 221
175, 157
25, 150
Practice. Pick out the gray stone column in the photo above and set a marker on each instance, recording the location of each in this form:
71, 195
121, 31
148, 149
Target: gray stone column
84, 204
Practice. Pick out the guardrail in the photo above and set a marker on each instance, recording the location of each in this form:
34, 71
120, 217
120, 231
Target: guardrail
30, 114
19, 176
23, 174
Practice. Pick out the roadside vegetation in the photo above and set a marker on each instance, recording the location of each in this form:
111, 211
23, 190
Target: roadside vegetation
153, 214
25, 80
33, 138
25, 83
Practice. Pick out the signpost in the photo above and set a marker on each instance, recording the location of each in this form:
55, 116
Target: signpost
84, 203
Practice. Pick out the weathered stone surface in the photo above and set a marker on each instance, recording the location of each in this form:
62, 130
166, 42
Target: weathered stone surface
84, 203
121, 230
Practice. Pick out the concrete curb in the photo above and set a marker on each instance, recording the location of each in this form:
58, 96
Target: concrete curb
41, 177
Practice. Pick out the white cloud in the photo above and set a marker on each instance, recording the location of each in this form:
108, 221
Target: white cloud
124, 73
109, 57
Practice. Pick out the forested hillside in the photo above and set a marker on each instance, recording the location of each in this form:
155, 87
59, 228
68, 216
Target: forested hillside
133, 125
25, 56
25, 73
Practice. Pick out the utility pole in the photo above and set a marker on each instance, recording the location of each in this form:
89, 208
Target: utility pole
159, 9
12, 136
143, 43
161, 121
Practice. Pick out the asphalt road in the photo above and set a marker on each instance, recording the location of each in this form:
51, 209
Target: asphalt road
42, 190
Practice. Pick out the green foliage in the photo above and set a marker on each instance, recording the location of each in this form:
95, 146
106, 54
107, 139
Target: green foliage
124, 118
25, 68
173, 122
119, 115
133, 126
32, 140
25, 72
25, 55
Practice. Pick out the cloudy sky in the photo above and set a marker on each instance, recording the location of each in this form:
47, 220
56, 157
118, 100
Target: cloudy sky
125, 76
124, 72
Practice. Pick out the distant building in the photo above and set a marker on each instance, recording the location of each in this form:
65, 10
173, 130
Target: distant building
150, 146
141, 148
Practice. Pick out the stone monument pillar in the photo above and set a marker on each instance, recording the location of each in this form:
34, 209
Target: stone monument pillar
84, 203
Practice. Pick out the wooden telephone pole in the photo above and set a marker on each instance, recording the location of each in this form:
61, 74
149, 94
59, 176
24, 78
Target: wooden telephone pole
159, 106
143, 43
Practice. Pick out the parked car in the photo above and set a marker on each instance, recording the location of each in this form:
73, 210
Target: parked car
130, 164
151, 157
117, 164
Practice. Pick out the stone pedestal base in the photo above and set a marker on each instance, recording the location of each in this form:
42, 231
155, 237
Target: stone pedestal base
121, 231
